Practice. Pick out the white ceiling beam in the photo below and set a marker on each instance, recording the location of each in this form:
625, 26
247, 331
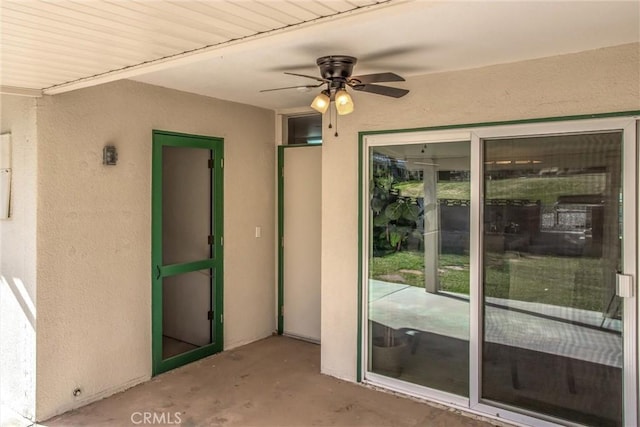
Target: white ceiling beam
138, 23
98, 44
82, 21
197, 27
204, 53
20, 91
227, 25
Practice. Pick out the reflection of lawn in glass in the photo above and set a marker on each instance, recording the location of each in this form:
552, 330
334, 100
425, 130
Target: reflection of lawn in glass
546, 189
399, 267
536, 278
408, 268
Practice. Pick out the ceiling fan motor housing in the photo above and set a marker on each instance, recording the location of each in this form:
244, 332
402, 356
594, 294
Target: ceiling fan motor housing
336, 72
336, 67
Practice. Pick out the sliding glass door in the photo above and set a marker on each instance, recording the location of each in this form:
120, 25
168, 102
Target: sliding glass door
552, 245
418, 306
498, 269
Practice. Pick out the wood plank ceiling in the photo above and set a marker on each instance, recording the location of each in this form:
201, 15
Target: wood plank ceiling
48, 43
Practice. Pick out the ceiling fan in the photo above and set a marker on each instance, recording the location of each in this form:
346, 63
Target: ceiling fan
335, 73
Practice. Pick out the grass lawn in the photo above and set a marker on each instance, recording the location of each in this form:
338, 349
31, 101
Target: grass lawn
543, 279
408, 267
566, 281
533, 278
445, 190
399, 267
546, 189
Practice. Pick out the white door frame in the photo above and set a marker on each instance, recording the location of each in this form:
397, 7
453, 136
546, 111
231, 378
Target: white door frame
630, 125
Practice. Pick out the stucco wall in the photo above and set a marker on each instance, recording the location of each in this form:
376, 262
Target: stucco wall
598, 81
18, 260
94, 229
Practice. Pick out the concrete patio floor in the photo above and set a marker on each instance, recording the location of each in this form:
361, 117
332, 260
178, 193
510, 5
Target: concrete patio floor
532, 326
272, 382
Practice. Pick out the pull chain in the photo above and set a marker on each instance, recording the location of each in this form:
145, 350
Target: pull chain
331, 119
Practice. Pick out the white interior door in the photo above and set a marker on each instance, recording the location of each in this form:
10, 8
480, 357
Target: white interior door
301, 252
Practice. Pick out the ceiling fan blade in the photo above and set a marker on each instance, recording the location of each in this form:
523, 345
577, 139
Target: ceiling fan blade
293, 87
376, 78
382, 90
309, 77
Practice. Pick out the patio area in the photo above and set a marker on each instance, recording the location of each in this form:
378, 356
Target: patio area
272, 382
557, 359
562, 331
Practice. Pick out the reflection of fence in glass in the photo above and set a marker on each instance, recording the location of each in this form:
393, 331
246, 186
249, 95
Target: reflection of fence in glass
552, 320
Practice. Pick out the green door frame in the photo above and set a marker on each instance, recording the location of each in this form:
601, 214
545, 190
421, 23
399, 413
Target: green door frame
160, 271
281, 149
360, 369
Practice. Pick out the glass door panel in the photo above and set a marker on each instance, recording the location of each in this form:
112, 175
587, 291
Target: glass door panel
552, 238
418, 287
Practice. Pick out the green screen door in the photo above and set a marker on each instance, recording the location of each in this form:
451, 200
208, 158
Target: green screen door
186, 248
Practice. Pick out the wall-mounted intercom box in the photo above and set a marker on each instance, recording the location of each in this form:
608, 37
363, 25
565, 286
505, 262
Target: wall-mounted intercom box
5, 175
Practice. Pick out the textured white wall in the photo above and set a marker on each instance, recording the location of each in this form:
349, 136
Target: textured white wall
18, 261
604, 80
94, 230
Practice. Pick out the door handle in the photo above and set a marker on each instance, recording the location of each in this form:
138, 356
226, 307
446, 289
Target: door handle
158, 272
624, 285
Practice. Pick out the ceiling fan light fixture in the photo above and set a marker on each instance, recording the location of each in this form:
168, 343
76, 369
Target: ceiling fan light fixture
344, 103
321, 102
